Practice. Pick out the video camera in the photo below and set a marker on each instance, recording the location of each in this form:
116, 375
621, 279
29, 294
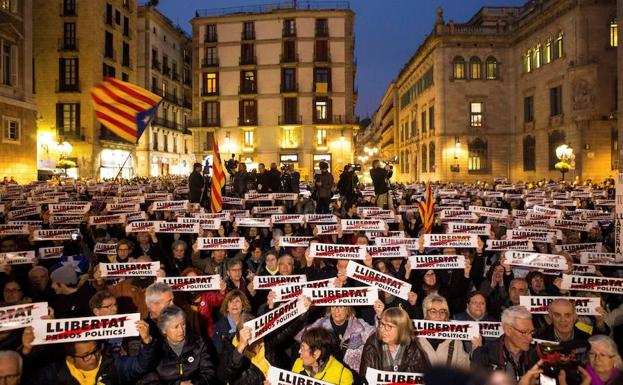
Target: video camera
357, 167
563, 356
231, 165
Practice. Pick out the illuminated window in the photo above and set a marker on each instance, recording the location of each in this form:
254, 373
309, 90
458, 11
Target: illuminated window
321, 137
547, 53
475, 114
536, 56
477, 159
289, 138
527, 61
558, 49
210, 83
248, 138
614, 34
491, 68
475, 68
321, 110
458, 65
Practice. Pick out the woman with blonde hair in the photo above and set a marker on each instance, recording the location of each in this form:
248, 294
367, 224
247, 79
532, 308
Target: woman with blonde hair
394, 346
234, 304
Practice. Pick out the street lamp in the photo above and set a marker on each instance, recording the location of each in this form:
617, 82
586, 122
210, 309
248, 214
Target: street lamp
566, 159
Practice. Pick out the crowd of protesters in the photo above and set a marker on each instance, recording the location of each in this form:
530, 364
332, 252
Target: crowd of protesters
187, 337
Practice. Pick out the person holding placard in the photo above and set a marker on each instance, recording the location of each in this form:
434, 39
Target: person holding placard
234, 305
394, 346
315, 358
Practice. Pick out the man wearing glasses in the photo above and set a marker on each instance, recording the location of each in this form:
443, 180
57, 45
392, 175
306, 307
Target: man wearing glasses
512, 353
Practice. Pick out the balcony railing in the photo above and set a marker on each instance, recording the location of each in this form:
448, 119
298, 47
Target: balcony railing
67, 8
126, 62
155, 64
205, 92
210, 38
209, 62
64, 87
322, 57
68, 45
175, 76
77, 133
322, 32
247, 121
247, 89
168, 124
291, 58
290, 119
289, 87
171, 97
336, 119
247, 60
272, 7
247, 35
156, 90
110, 54
205, 122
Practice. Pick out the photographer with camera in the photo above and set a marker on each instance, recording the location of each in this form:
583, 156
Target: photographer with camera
380, 179
290, 179
346, 185
231, 165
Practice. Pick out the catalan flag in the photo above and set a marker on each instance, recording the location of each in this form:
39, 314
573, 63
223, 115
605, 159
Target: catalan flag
124, 108
218, 181
427, 210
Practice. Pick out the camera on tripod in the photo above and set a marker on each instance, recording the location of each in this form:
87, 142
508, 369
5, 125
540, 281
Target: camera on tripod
231, 165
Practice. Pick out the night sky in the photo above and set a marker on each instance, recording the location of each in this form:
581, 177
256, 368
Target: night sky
387, 33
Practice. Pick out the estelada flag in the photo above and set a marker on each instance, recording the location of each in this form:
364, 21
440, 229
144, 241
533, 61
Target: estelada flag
124, 108
218, 181
427, 210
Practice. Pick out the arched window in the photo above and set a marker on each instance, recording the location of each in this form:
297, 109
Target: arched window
547, 53
431, 157
458, 65
558, 46
527, 61
555, 139
529, 153
477, 155
475, 68
424, 158
536, 56
491, 68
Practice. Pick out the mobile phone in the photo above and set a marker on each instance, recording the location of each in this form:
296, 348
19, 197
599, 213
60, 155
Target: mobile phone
546, 380
74, 235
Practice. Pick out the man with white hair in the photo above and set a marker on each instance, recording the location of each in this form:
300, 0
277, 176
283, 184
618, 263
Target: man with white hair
158, 296
10, 367
513, 352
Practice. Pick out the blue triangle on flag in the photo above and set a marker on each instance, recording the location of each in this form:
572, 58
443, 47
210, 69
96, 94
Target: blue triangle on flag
144, 118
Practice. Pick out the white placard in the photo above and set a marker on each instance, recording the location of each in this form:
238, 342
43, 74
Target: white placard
285, 196
444, 262
130, 269
342, 296
483, 229
278, 219
53, 234
267, 210
140, 226
461, 215
252, 222
206, 224
451, 240
541, 304
381, 377
490, 329
382, 251
592, 258
157, 196
6, 230
107, 219
574, 248
328, 250
509, 244
220, 243
51, 252
170, 205
105, 248
60, 220
537, 260
177, 228
70, 208
258, 197
592, 283
294, 241
273, 320
330, 229
20, 316
382, 281
52, 331
194, 283
493, 212
320, 218
410, 243
291, 291
532, 235
267, 282
572, 225
136, 216
363, 224
278, 376
25, 212
122, 207
446, 330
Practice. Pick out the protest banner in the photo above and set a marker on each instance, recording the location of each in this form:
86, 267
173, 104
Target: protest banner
493, 212
170, 205
252, 222
329, 250
61, 220
490, 329
410, 243
442, 262
294, 241
206, 224
236, 213
70, 208
51, 252
136, 216
525, 222
320, 218
583, 269
285, 196
372, 235
483, 229
289, 291
407, 208
130, 199
330, 229
547, 211
193, 283
384, 251
382, 377
6, 230
41, 200
54, 234
177, 228
220, 243
509, 244
129, 269
592, 258
342, 296
446, 330
140, 226
451, 240
105, 248
20, 316
531, 235
575, 248
536, 260
572, 225
258, 197
24, 213
363, 224
364, 211
267, 210
278, 376
461, 215
287, 218
267, 282
382, 281
541, 304
122, 207
273, 320
157, 196
592, 283
107, 219
31, 224
52, 331
222, 216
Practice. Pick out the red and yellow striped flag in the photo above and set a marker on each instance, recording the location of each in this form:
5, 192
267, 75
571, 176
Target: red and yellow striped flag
124, 108
427, 210
218, 181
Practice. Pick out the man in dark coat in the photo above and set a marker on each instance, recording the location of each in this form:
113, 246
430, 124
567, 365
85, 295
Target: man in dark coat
274, 179
323, 183
195, 184
262, 178
380, 179
241, 179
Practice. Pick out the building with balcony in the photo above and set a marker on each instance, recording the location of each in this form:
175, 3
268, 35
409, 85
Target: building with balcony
76, 44
276, 84
495, 96
164, 67
17, 106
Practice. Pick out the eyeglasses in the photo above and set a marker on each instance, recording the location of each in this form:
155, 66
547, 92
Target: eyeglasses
386, 326
114, 304
435, 312
594, 355
89, 356
525, 333
10, 378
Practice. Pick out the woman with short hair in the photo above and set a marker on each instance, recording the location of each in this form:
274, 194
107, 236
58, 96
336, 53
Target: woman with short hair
185, 359
394, 346
604, 362
234, 304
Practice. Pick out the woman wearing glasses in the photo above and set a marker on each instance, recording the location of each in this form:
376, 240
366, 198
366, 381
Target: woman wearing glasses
394, 346
440, 351
604, 362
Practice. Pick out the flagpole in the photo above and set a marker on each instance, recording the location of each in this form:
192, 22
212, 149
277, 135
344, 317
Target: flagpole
99, 209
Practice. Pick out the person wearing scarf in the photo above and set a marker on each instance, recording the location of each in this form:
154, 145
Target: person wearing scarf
604, 362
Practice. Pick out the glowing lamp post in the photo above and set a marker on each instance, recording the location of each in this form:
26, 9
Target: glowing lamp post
566, 159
